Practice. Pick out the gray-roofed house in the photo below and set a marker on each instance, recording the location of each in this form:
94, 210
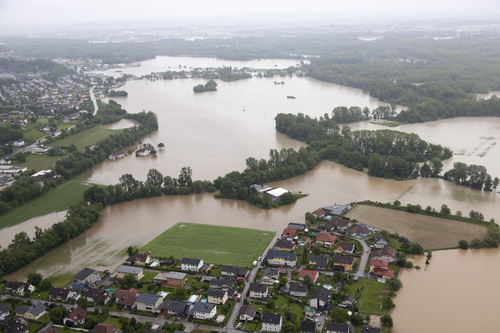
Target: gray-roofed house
332, 327
148, 302
320, 261
191, 264
270, 276
217, 296
387, 253
342, 263
235, 271
175, 308
4, 311
285, 245
96, 295
139, 259
336, 209
19, 288
203, 310
247, 313
16, 325
308, 326
171, 279
379, 241
275, 257
258, 290
298, 290
35, 311
271, 322
60, 294
345, 247
123, 270
224, 284
320, 298
370, 329
86, 277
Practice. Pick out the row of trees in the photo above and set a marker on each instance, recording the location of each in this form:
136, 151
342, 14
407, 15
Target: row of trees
386, 153
24, 250
24, 189
475, 176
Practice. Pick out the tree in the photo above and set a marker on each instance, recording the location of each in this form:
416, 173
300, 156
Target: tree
386, 320
463, 244
57, 314
35, 279
339, 315
436, 166
130, 251
20, 157
161, 145
387, 303
45, 285
356, 319
128, 281
185, 177
445, 210
284, 280
180, 293
395, 284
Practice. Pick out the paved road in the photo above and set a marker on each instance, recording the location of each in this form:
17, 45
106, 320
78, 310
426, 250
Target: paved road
363, 260
92, 97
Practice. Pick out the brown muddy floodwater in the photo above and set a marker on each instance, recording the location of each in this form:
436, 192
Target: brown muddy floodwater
215, 132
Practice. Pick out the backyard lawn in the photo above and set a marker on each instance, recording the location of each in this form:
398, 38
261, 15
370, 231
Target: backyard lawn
371, 292
213, 244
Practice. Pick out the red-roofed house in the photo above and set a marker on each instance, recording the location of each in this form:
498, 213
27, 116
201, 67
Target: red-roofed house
326, 239
320, 213
289, 233
378, 264
126, 298
312, 274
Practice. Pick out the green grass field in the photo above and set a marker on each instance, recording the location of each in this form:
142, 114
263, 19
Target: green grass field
213, 244
56, 200
370, 295
39, 162
85, 138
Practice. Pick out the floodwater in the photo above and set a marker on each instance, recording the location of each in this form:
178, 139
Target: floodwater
215, 132
456, 292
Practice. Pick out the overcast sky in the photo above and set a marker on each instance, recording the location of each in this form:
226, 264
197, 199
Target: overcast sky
19, 14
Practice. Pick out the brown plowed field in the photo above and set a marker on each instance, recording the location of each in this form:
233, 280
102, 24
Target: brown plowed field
431, 232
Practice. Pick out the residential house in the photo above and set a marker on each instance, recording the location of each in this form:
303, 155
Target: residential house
269, 276
258, 290
319, 213
224, 284
43, 174
379, 268
332, 327
326, 239
4, 311
75, 317
19, 288
126, 298
123, 270
370, 329
271, 322
73, 116
203, 311
247, 313
336, 209
33, 312
308, 326
289, 233
343, 263
359, 230
337, 224
141, 259
298, 290
285, 245
298, 226
387, 253
234, 271
104, 328
379, 241
320, 299
116, 155
144, 151
38, 149
313, 275
171, 279
19, 143
349, 301
60, 294
261, 189
191, 264
84, 278
275, 194
320, 261
148, 302
5, 160
98, 296
217, 296
16, 325
275, 257
175, 308
345, 247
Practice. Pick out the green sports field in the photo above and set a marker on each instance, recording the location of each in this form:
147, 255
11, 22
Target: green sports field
213, 244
